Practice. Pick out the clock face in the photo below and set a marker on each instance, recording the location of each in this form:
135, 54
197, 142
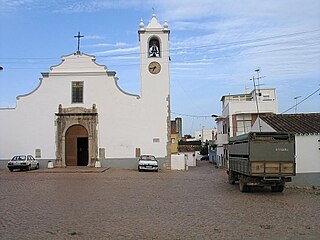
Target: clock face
154, 67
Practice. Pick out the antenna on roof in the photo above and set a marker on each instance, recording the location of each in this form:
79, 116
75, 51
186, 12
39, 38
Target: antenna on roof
257, 95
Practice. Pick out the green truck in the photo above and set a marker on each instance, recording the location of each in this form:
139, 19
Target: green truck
262, 159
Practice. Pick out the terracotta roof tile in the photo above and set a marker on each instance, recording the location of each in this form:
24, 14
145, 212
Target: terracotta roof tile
297, 123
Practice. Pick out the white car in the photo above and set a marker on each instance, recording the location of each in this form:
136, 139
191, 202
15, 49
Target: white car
23, 162
148, 162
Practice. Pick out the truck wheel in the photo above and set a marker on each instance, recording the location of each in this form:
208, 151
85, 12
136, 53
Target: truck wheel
242, 185
278, 188
231, 178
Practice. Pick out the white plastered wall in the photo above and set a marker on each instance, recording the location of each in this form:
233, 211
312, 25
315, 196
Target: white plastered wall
125, 121
307, 153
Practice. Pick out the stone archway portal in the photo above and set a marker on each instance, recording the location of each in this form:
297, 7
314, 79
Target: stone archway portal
76, 136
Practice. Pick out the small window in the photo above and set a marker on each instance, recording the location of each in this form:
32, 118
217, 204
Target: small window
77, 92
38, 153
156, 140
138, 152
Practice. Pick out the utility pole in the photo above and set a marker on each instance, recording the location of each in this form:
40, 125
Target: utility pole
257, 104
256, 95
258, 81
296, 106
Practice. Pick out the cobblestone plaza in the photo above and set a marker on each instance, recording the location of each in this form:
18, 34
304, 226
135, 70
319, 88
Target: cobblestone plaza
127, 204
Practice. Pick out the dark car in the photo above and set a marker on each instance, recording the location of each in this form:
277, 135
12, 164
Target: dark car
204, 158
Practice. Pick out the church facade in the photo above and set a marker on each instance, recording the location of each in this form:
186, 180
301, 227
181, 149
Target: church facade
79, 116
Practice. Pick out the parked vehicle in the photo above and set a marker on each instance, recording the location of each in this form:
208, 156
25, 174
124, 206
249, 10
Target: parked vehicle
262, 159
148, 162
23, 162
206, 157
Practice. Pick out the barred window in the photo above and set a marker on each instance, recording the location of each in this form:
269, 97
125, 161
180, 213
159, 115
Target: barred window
77, 92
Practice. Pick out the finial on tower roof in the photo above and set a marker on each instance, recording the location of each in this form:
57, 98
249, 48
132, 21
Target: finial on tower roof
141, 25
165, 25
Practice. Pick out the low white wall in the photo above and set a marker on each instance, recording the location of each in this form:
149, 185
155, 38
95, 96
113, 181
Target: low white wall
198, 155
178, 162
190, 159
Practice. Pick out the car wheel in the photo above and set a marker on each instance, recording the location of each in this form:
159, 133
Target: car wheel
37, 167
231, 178
11, 169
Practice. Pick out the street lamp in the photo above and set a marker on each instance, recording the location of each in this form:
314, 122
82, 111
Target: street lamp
296, 106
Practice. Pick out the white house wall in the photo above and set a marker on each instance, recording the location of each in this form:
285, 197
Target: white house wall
307, 154
247, 107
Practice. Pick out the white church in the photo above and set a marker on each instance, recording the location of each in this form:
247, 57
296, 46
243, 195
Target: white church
79, 116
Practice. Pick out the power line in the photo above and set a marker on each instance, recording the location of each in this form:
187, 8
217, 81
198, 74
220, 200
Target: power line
294, 106
193, 116
181, 61
215, 47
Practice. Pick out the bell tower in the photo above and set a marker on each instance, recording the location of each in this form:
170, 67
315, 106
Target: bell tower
154, 59
155, 86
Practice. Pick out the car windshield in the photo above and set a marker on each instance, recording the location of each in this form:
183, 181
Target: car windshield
19, 158
148, 157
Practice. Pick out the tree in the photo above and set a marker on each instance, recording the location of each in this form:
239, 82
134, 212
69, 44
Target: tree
204, 148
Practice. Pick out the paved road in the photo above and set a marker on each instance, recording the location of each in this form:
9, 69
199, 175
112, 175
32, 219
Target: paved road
126, 204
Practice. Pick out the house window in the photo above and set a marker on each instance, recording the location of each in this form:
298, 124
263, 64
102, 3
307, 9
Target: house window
138, 152
38, 153
243, 123
156, 140
77, 92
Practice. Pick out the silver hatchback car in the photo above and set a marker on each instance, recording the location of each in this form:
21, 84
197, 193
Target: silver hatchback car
148, 162
23, 162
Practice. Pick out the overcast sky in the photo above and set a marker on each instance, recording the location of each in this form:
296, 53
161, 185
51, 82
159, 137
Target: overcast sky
215, 46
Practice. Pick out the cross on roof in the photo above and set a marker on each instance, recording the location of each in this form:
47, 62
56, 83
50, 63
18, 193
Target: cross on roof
78, 36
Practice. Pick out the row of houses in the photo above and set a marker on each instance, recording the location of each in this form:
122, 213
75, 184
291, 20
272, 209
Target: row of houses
258, 111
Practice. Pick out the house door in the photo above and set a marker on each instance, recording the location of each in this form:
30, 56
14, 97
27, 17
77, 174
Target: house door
76, 146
